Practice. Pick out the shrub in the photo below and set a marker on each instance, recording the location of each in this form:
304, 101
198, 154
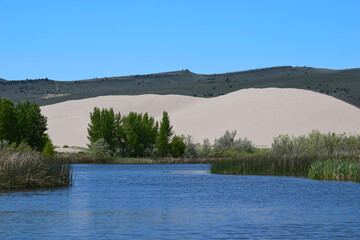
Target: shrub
205, 148
177, 146
225, 142
100, 148
243, 145
191, 150
229, 146
49, 149
23, 146
4, 144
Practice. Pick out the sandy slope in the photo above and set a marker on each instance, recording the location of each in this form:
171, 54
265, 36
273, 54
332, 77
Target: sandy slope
258, 114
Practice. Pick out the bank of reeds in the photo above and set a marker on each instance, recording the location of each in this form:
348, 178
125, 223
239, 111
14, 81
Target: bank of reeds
28, 169
340, 169
268, 164
313, 167
320, 156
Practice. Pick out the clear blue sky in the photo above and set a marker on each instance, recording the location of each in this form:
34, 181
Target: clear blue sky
70, 40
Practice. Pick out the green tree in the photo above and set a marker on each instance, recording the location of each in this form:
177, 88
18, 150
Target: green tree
103, 124
177, 146
149, 134
133, 146
8, 121
139, 134
31, 125
164, 137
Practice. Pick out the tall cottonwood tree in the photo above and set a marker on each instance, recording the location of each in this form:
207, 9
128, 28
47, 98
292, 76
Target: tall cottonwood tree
164, 138
31, 125
139, 135
103, 125
23, 123
8, 121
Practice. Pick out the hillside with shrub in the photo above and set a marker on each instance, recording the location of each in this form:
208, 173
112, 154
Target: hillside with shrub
341, 84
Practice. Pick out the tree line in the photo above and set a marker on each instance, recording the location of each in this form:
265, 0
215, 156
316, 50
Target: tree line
132, 135
23, 124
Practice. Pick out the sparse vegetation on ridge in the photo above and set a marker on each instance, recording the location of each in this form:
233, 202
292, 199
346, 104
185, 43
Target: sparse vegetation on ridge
342, 84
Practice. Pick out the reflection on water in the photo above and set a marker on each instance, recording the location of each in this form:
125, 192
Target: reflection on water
181, 201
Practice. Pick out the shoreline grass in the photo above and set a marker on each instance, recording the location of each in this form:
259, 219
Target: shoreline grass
83, 158
344, 168
28, 169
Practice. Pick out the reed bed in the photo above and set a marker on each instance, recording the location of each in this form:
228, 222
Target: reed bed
342, 169
313, 167
28, 169
269, 164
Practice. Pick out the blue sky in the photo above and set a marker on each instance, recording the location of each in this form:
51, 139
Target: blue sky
70, 40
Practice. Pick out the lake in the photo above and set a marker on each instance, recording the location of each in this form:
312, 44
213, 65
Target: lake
178, 201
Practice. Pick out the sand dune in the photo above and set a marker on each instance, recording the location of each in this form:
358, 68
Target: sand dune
258, 114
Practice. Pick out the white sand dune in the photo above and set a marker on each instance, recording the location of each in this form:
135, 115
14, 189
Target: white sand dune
258, 114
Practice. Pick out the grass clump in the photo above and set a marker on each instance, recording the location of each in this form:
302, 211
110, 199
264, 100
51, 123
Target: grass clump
28, 169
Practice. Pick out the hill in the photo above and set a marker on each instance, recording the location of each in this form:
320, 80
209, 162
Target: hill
341, 84
258, 114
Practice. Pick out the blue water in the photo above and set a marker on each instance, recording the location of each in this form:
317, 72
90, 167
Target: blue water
179, 202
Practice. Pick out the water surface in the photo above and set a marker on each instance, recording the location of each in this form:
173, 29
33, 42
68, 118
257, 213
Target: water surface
181, 201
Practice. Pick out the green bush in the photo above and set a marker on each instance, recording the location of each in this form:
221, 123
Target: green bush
100, 148
226, 145
4, 144
49, 149
205, 148
177, 146
191, 149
